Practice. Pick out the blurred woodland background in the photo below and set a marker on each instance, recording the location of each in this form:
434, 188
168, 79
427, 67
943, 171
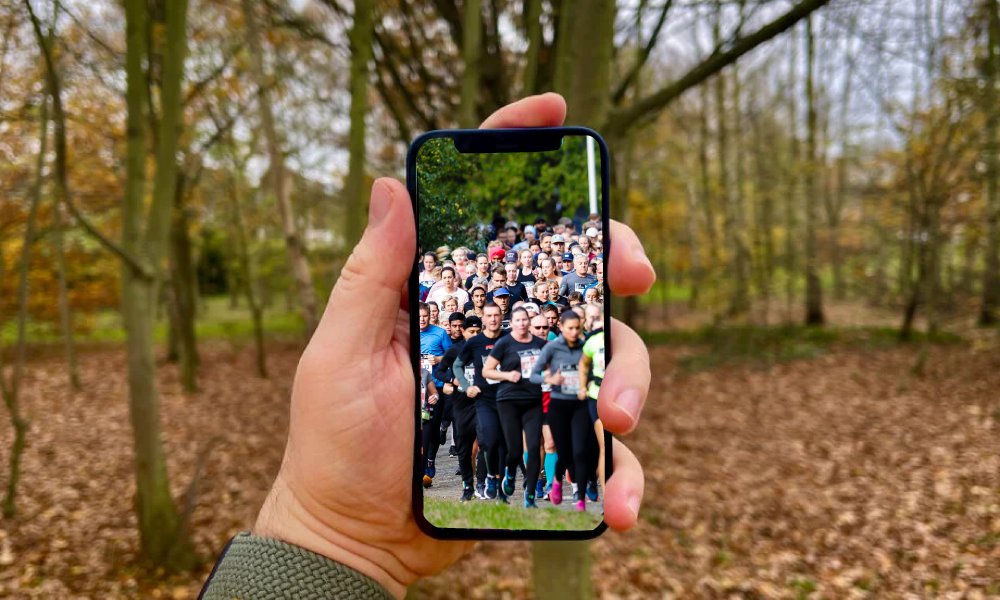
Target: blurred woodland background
815, 181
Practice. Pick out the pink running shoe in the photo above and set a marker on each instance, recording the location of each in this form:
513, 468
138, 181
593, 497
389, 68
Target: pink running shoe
581, 506
555, 494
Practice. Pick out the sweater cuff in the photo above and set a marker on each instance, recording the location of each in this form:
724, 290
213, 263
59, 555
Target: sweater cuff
257, 568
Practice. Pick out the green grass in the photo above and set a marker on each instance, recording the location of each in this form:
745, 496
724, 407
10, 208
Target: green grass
746, 344
216, 320
495, 515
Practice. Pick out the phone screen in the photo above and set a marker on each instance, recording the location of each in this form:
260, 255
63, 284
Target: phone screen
511, 314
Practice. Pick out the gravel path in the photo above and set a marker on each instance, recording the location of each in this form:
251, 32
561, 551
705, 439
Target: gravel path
448, 486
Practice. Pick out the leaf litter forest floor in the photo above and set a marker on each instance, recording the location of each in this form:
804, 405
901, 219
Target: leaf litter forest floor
854, 471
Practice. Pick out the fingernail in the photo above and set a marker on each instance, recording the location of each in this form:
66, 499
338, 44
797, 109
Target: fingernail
633, 504
380, 203
629, 401
640, 254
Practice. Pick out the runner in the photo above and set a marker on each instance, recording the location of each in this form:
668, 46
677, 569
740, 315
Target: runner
540, 329
516, 289
435, 312
549, 272
475, 306
484, 392
592, 372
568, 417
579, 280
566, 266
554, 297
552, 312
482, 270
433, 343
464, 409
501, 297
448, 286
429, 262
453, 325
428, 404
574, 299
519, 402
546, 243
558, 244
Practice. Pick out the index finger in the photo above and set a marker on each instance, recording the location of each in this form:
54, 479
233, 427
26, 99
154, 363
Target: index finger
545, 110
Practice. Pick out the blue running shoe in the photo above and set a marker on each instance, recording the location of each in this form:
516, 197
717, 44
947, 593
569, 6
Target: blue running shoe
592, 494
529, 501
540, 489
431, 471
491, 488
508, 482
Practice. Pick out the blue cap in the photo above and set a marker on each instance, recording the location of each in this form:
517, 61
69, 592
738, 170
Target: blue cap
501, 292
511, 256
567, 256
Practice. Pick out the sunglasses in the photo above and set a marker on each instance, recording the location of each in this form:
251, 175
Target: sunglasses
539, 326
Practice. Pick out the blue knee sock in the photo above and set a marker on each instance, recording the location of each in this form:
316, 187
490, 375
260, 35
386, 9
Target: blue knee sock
525, 460
550, 466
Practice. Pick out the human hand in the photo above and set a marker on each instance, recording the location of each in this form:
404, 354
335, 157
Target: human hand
581, 394
317, 502
555, 378
472, 391
448, 388
513, 376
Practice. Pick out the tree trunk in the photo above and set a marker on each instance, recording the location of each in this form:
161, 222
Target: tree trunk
583, 77
65, 311
183, 292
814, 292
249, 271
741, 294
991, 146
12, 393
704, 178
792, 180
163, 537
361, 54
532, 11
278, 178
471, 47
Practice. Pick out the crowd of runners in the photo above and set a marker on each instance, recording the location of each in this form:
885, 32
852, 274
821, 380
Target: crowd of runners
512, 358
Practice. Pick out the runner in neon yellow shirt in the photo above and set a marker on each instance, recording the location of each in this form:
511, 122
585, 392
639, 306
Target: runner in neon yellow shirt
592, 369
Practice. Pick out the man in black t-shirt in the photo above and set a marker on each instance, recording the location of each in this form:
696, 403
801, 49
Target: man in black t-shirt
502, 298
464, 410
516, 289
484, 392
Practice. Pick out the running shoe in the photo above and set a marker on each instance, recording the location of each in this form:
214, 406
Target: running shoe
543, 479
491, 488
592, 494
576, 496
467, 495
481, 491
576, 488
508, 482
555, 494
430, 469
458, 472
581, 506
545, 493
540, 489
452, 452
529, 501
502, 497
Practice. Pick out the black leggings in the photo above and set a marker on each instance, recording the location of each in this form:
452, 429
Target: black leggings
465, 436
515, 416
496, 447
430, 432
573, 434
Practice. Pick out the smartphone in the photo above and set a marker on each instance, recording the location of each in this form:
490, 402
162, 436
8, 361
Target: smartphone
509, 307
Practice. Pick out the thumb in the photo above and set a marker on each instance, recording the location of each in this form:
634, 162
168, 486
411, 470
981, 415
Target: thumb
363, 309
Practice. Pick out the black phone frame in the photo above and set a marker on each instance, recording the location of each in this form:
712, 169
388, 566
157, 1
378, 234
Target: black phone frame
501, 141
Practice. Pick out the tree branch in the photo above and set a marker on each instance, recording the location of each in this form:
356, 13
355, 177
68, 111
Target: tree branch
619, 94
621, 120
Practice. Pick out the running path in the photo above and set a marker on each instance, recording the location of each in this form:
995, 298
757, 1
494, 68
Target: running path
448, 486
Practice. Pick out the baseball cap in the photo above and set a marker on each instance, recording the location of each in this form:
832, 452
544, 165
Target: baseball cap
540, 220
558, 238
456, 316
567, 256
472, 321
529, 229
511, 256
592, 232
501, 292
511, 224
495, 252
530, 305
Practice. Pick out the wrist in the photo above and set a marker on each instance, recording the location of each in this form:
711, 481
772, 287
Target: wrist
283, 517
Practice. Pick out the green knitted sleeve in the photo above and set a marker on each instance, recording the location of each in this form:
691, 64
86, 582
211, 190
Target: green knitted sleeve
256, 568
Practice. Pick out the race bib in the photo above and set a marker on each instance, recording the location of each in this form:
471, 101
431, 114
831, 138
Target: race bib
488, 380
425, 363
528, 359
571, 379
599, 361
581, 286
529, 285
505, 324
470, 374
